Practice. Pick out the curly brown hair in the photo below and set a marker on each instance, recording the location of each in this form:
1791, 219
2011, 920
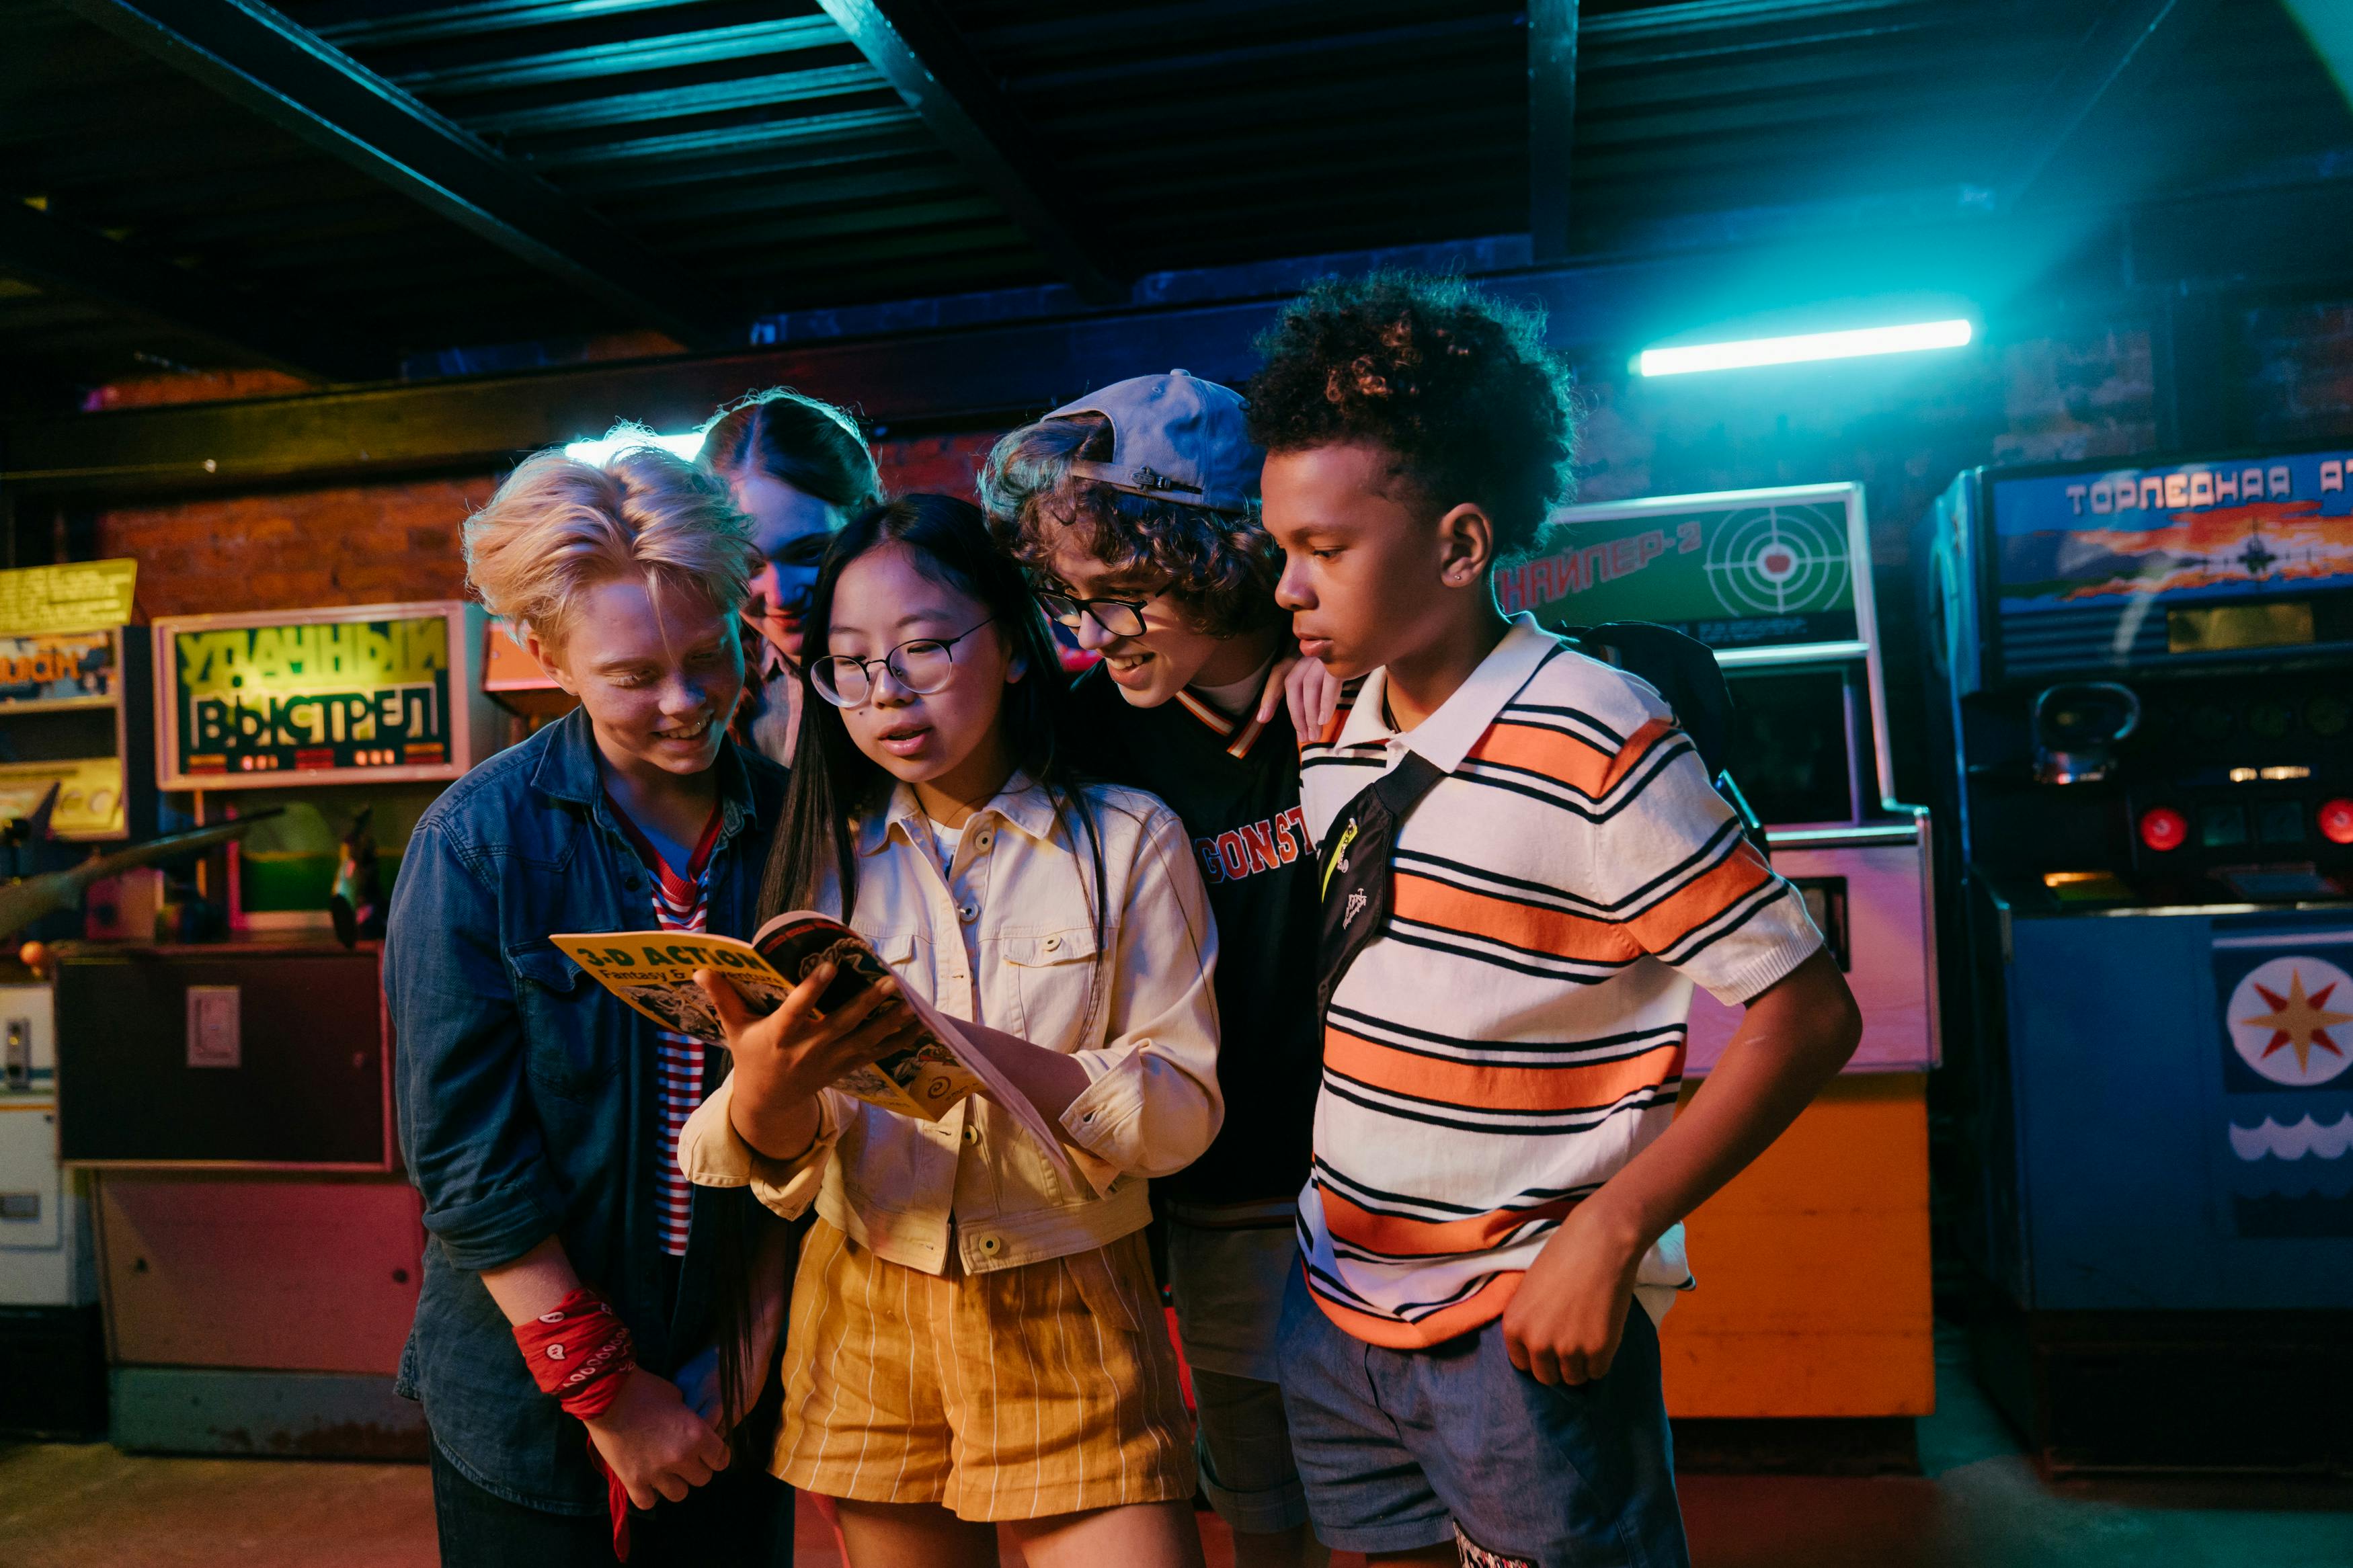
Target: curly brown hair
1455, 382
1221, 567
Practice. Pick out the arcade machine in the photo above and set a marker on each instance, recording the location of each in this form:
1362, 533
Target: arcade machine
233, 1096
2142, 698
70, 678
1814, 1296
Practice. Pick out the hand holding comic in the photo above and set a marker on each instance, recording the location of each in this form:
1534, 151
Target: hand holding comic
784, 1059
807, 1004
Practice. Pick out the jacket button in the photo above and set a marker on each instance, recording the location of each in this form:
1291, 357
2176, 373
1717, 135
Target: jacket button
971, 1133
988, 1245
1051, 942
967, 912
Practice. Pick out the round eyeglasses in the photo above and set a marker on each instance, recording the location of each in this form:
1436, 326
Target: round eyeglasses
920, 667
1117, 617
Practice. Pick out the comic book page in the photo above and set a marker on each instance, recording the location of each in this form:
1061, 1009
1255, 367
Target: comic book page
923, 1081
936, 1073
653, 971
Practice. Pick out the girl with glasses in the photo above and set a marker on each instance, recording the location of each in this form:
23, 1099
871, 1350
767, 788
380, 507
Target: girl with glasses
975, 1338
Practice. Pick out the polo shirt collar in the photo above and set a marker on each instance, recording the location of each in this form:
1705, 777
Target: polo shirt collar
1446, 737
1023, 804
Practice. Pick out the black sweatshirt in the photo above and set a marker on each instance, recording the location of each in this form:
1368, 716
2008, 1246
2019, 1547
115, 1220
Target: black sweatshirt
1235, 786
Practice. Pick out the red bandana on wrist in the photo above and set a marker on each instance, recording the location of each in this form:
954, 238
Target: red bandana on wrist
580, 1355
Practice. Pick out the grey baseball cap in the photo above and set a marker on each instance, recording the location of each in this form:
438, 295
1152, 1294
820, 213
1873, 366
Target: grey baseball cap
1175, 438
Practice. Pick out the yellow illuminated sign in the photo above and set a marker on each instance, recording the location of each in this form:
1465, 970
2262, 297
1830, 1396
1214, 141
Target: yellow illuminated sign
78, 596
325, 695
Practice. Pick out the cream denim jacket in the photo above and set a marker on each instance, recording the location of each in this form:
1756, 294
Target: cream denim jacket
1138, 1011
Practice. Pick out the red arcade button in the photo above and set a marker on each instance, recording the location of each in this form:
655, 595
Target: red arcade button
2163, 828
2335, 819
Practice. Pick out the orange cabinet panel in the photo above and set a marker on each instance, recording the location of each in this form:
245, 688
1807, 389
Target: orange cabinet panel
1812, 1265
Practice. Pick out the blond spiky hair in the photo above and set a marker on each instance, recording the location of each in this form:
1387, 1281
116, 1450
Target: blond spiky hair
559, 526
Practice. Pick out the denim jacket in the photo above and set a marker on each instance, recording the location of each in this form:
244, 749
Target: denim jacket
527, 1093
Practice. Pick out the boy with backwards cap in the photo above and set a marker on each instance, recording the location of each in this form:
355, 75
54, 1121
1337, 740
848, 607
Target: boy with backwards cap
1524, 869
1135, 511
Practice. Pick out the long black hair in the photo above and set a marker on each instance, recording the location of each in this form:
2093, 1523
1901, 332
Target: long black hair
834, 783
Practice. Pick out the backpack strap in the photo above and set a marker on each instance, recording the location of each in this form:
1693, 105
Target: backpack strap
1683, 670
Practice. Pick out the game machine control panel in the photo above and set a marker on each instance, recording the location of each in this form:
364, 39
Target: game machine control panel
2141, 701
1777, 583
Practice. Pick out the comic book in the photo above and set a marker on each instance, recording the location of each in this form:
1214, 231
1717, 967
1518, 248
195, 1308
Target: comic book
653, 971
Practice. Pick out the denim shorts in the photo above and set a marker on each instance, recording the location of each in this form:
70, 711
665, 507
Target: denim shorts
1405, 1450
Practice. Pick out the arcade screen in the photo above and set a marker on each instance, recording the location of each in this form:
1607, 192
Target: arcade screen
285, 700
1770, 573
2138, 565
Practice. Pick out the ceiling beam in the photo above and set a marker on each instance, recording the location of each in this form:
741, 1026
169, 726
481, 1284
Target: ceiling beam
1552, 123
270, 65
64, 259
934, 68
2128, 42
2290, 237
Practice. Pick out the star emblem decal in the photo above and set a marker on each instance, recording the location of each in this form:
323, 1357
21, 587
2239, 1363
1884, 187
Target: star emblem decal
2299, 1022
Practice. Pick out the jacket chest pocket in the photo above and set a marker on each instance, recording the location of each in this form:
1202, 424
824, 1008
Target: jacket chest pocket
566, 1049
1054, 976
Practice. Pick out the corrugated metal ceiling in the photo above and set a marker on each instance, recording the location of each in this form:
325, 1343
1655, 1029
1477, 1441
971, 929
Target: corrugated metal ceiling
754, 150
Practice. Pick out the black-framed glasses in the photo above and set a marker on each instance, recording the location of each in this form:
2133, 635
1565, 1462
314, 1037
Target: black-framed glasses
1119, 617
920, 667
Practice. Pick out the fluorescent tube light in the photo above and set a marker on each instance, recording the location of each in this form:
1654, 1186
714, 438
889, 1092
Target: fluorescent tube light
1852, 345
596, 451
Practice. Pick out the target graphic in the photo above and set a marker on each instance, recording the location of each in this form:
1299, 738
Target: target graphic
1779, 560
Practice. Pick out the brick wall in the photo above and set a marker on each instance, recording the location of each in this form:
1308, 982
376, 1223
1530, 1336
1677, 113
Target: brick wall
1903, 425
364, 545
945, 464
353, 544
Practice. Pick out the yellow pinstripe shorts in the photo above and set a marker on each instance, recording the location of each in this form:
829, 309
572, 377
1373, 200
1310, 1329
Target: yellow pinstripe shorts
1020, 1393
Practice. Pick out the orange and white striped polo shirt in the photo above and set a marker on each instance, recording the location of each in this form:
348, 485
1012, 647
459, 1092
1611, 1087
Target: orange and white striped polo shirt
1515, 1034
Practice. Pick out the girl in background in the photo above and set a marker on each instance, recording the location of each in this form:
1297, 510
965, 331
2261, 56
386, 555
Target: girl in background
799, 468
973, 1342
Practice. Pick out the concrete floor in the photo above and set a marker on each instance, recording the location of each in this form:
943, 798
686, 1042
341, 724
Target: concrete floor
1978, 1505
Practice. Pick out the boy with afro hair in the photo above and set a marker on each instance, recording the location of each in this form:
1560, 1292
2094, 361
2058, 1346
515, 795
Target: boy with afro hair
1523, 870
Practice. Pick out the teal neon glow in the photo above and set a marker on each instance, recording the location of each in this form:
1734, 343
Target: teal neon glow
685, 445
1750, 352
